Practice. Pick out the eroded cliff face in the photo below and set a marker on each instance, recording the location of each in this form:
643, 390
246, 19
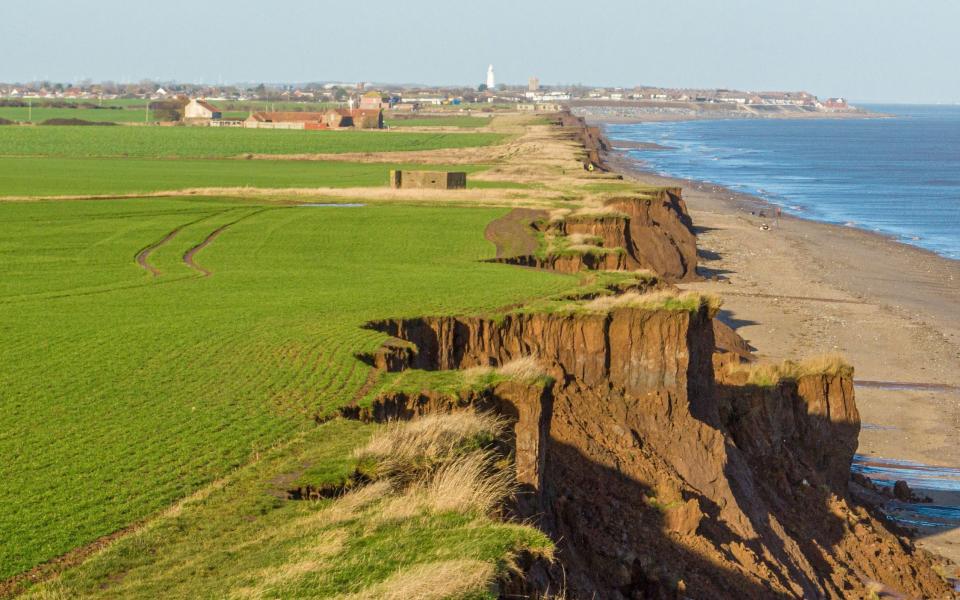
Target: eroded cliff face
656, 479
652, 232
661, 234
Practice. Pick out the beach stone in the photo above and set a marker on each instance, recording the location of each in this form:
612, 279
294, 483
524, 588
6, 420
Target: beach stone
902, 491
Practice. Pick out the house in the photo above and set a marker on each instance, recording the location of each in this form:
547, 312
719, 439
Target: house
286, 120
374, 101
836, 104
201, 109
336, 118
359, 118
367, 118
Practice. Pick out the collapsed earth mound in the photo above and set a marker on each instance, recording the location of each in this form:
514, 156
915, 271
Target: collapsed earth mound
652, 232
657, 477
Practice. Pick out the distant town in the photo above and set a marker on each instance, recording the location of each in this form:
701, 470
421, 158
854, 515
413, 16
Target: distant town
349, 104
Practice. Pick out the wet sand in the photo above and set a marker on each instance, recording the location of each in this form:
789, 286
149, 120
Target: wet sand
804, 288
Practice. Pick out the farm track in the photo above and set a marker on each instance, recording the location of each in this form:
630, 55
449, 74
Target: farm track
192, 252
143, 256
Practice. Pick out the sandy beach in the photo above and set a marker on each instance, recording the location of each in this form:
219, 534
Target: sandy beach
804, 288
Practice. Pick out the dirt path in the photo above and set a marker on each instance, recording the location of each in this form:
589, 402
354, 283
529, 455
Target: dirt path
511, 233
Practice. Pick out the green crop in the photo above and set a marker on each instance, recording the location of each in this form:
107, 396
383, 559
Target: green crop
27, 176
205, 142
122, 390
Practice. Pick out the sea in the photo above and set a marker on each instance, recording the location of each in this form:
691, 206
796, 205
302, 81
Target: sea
898, 176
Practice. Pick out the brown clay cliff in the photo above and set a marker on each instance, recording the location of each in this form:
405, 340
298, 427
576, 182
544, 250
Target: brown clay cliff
660, 479
651, 231
658, 470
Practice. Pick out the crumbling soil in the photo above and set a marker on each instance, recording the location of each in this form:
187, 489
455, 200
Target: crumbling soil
652, 232
656, 478
512, 233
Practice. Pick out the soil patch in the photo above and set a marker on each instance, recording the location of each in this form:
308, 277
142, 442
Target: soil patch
511, 233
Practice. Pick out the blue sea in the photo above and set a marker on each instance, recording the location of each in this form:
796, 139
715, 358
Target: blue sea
898, 176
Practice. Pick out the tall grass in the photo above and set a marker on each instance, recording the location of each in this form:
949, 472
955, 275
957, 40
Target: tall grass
769, 375
431, 581
408, 450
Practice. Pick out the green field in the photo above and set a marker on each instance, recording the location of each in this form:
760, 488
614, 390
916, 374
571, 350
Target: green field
203, 142
463, 121
237, 538
132, 110
27, 176
123, 391
40, 114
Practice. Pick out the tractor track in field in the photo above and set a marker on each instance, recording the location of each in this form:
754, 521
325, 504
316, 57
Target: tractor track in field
188, 256
143, 256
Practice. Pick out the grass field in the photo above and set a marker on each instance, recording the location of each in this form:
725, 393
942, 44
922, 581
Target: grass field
132, 110
202, 142
463, 121
40, 114
241, 539
27, 176
123, 391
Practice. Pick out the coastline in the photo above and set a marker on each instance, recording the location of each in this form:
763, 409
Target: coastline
619, 113
805, 287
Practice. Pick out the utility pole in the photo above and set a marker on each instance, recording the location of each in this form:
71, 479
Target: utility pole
29, 110
146, 113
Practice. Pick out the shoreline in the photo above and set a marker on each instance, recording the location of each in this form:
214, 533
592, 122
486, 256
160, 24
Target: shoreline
746, 201
806, 287
620, 114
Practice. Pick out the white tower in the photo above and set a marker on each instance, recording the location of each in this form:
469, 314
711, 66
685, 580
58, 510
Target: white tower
491, 82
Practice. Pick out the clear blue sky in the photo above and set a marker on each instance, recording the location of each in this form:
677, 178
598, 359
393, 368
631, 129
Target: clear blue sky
868, 50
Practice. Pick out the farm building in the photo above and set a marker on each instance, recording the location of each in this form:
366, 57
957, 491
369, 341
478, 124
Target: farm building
201, 109
285, 120
374, 101
367, 118
337, 118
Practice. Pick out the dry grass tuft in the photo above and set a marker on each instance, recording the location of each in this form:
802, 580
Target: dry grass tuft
431, 581
346, 508
469, 483
589, 249
657, 300
769, 375
522, 369
832, 364
406, 450
596, 212
583, 239
474, 375
645, 275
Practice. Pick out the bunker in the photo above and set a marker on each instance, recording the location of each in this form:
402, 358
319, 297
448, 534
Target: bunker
438, 180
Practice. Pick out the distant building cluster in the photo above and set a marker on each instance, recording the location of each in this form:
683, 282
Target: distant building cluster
715, 96
346, 99
369, 117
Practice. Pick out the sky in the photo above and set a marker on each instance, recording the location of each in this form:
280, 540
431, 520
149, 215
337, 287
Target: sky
867, 50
